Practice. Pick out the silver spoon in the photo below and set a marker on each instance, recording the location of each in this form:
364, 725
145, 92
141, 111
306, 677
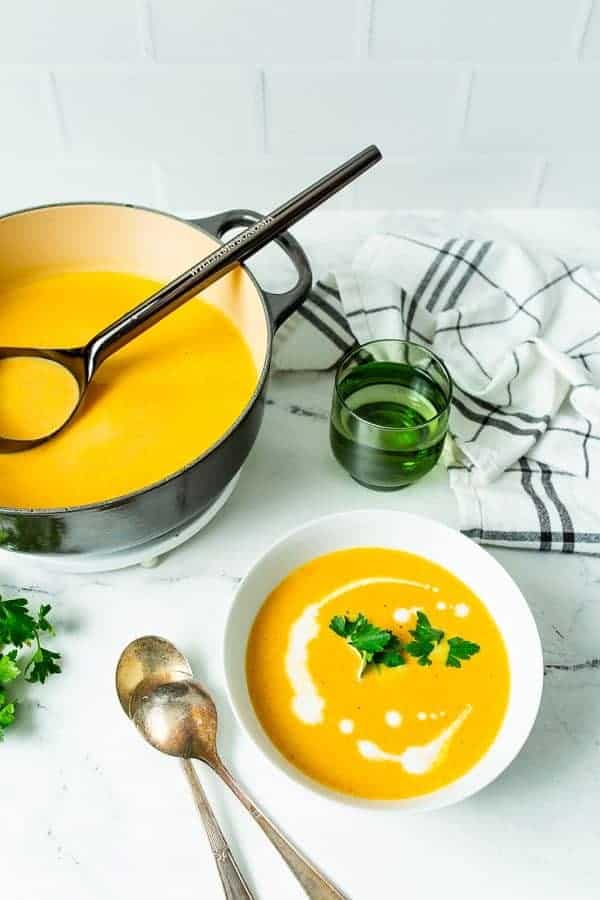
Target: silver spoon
144, 664
80, 364
180, 719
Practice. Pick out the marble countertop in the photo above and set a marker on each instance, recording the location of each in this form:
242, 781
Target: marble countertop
89, 811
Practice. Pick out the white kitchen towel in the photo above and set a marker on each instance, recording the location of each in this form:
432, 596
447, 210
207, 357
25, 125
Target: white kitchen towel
520, 334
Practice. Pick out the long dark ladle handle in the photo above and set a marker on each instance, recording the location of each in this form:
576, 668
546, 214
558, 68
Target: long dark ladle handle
223, 260
317, 887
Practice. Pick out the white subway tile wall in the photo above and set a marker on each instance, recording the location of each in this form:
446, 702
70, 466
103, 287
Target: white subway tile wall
153, 111
198, 104
534, 108
334, 109
458, 30
253, 31
69, 31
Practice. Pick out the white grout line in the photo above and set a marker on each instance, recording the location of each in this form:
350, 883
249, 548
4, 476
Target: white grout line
577, 39
463, 104
363, 28
539, 176
261, 114
145, 30
53, 99
159, 186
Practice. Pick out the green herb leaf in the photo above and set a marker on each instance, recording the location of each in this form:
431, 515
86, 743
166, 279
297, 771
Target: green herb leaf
380, 646
391, 656
373, 644
9, 669
43, 664
17, 626
367, 638
7, 713
340, 624
425, 638
459, 649
42, 622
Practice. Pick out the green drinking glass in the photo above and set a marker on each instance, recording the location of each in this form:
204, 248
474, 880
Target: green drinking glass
389, 415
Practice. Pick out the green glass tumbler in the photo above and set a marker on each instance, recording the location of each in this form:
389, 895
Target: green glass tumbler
389, 415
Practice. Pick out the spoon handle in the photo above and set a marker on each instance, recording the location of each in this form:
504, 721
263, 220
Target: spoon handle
234, 886
315, 884
223, 260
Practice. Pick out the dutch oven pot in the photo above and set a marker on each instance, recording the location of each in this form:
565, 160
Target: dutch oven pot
142, 241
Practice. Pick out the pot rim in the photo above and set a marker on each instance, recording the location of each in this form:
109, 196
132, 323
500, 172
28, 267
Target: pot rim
115, 502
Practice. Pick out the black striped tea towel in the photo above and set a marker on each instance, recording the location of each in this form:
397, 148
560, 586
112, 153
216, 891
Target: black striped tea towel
520, 333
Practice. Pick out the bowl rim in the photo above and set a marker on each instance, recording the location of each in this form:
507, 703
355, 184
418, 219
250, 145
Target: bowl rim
451, 793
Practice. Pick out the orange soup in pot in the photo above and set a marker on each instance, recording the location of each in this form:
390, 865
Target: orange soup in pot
153, 407
378, 673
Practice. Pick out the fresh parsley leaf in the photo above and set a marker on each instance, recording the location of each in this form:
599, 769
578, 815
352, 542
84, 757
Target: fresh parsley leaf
9, 669
425, 630
373, 644
368, 638
361, 634
380, 646
459, 649
43, 663
391, 656
341, 625
425, 638
7, 713
42, 622
17, 626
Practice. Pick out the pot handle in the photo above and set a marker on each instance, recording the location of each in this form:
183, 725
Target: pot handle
280, 306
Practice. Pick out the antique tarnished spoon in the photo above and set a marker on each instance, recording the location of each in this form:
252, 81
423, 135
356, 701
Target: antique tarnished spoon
145, 664
180, 718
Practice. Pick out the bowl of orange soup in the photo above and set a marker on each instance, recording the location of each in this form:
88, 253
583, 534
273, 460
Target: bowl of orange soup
379, 657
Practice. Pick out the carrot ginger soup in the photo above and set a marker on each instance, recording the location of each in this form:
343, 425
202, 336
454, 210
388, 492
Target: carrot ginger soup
37, 396
152, 408
378, 673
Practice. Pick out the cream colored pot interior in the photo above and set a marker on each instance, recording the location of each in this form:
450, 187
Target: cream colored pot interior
103, 237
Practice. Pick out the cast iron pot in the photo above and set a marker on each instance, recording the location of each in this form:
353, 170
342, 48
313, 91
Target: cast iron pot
156, 245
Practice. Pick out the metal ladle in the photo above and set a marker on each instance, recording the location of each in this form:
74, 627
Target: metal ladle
180, 718
82, 363
144, 664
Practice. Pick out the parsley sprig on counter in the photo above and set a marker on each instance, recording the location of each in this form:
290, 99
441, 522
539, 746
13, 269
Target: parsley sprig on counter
380, 646
20, 631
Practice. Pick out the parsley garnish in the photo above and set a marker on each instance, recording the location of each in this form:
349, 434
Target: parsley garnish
425, 639
460, 649
382, 647
20, 629
374, 645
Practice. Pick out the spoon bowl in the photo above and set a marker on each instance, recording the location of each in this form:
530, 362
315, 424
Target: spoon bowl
149, 661
178, 718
